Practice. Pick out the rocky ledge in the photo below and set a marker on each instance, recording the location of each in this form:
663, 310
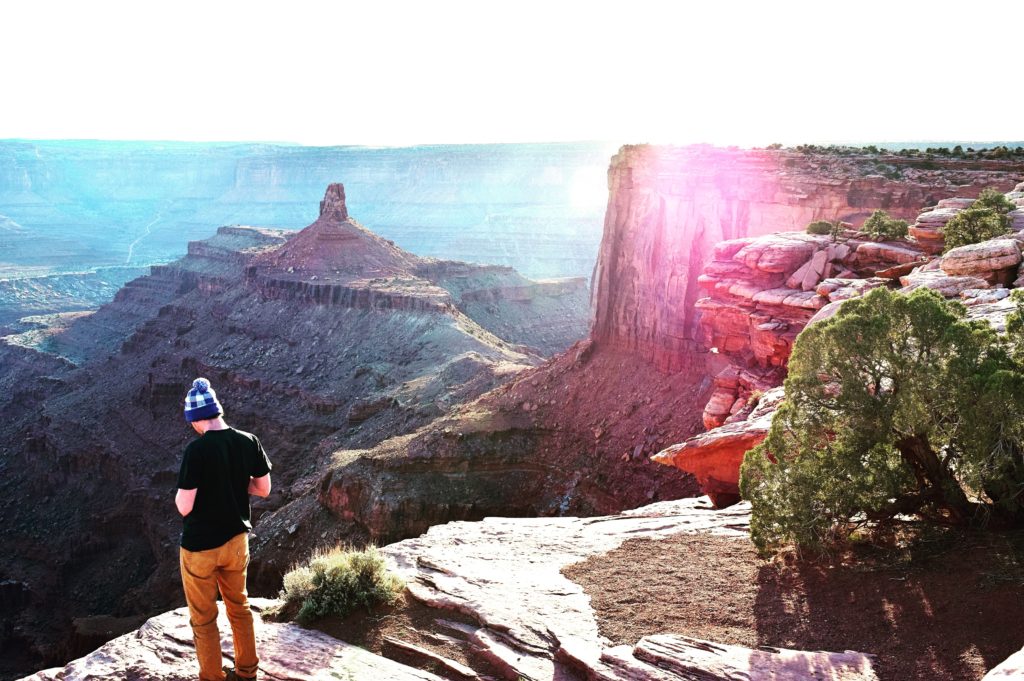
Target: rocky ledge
531, 621
762, 291
162, 649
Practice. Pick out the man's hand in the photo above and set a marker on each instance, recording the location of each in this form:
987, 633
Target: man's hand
260, 486
185, 499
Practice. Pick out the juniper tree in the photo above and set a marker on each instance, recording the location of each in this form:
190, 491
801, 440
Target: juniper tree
974, 225
883, 227
985, 219
895, 405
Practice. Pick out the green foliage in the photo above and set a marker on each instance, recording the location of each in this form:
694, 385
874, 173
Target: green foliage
1015, 325
754, 398
821, 227
974, 225
881, 227
338, 581
839, 149
993, 199
895, 405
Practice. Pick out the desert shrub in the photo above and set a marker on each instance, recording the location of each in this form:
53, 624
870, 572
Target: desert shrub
833, 229
974, 225
338, 581
881, 227
895, 405
994, 200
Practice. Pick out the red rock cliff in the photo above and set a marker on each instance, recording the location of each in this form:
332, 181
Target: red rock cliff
669, 206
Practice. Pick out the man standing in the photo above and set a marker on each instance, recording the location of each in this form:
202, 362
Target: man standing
219, 470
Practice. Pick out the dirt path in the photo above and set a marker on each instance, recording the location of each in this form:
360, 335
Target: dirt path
149, 230
948, 610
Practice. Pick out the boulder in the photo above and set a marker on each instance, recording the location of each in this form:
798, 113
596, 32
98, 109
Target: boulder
826, 312
948, 285
927, 229
995, 260
719, 407
982, 296
955, 202
889, 253
995, 313
811, 272
714, 457
844, 289
1016, 218
777, 253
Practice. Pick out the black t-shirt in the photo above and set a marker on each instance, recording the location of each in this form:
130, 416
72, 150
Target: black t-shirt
219, 464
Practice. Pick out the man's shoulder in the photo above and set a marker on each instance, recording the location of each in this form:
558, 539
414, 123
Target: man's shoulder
244, 433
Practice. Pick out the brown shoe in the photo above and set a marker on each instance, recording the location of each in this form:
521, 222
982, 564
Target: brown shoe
231, 675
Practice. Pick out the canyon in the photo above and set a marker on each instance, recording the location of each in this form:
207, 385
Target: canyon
79, 218
398, 393
578, 432
329, 333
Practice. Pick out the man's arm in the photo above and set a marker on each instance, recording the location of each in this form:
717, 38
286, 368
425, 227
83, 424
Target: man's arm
259, 486
185, 499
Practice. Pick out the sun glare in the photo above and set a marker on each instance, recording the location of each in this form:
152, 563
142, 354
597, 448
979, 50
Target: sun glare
589, 187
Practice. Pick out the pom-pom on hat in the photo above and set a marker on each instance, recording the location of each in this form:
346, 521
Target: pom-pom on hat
201, 402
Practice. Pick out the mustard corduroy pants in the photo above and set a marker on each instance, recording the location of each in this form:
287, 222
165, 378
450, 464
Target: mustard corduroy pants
203, 574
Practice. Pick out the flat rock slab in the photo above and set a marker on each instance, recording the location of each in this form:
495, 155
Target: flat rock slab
668, 657
535, 623
1012, 669
162, 649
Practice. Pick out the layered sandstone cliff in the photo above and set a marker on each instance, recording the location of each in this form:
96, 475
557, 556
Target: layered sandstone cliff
761, 292
669, 206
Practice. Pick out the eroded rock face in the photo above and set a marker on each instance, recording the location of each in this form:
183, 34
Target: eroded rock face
714, 457
752, 319
761, 292
995, 261
572, 436
670, 206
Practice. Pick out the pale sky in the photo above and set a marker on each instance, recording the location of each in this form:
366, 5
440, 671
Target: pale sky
398, 73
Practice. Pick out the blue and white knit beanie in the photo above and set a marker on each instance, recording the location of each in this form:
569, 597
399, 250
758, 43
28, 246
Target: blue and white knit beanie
201, 402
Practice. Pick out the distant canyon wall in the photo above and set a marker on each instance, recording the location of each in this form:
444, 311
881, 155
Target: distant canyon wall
669, 206
78, 204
